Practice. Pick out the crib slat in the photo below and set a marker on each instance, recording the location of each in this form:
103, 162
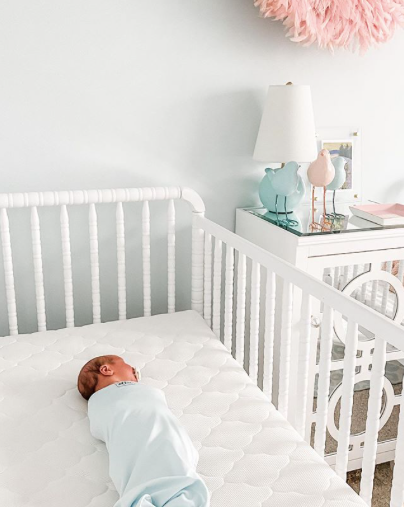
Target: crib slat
207, 296
254, 321
364, 285
146, 259
373, 419
323, 380
240, 315
386, 287
346, 276
354, 275
285, 346
348, 383
95, 266
269, 334
375, 290
67, 265
8, 273
228, 306
400, 273
217, 287
336, 277
303, 364
197, 291
120, 250
171, 256
397, 490
38, 271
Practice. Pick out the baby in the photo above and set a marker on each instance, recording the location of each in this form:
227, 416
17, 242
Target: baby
152, 461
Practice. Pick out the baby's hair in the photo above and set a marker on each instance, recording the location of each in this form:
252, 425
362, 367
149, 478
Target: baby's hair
88, 376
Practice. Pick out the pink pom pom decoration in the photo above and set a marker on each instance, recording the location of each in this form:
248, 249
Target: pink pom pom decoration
336, 23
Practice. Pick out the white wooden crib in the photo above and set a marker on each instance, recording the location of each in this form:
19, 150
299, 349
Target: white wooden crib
233, 287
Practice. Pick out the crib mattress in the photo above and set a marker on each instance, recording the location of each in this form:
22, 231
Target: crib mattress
249, 454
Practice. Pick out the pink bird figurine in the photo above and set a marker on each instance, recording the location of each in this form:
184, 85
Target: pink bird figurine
320, 173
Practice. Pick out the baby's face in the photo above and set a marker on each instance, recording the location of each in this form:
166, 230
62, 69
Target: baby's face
124, 370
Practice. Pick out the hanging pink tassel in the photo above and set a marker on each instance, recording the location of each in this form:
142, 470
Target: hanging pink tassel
337, 23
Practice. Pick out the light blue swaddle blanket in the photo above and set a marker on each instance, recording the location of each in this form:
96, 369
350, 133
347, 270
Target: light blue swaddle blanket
152, 461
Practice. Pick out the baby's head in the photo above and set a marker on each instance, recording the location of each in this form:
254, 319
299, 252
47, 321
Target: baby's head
103, 371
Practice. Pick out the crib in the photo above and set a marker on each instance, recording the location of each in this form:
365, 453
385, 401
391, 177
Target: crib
234, 307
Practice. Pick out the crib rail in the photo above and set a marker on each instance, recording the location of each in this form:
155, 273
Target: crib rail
254, 320
91, 199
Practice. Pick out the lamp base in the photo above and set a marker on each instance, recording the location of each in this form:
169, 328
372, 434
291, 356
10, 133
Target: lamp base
268, 195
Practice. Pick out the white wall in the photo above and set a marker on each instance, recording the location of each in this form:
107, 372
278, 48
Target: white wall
112, 93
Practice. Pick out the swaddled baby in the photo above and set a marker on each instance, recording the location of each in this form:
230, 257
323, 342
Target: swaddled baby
152, 461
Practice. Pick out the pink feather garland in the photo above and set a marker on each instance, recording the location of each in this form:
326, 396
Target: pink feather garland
336, 23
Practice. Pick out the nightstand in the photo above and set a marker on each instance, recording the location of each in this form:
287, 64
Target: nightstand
365, 261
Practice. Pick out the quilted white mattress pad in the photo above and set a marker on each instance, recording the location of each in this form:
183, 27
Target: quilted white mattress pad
249, 454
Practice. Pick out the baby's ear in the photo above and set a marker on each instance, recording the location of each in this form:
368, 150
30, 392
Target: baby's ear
106, 370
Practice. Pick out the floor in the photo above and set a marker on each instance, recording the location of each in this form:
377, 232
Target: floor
382, 484
384, 471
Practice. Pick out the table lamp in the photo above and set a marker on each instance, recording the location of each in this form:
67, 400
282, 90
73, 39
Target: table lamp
286, 136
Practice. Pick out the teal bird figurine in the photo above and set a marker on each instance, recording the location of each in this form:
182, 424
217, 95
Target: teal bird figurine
284, 182
338, 181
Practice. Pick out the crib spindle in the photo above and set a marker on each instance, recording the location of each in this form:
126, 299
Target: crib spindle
345, 276
67, 265
336, 277
8, 273
207, 296
355, 274
364, 288
375, 290
348, 383
323, 380
228, 305
285, 347
217, 287
197, 266
38, 271
120, 250
254, 321
397, 490
400, 274
95, 264
269, 333
146, 259
303, 365
240, 316
171, 256
386, 288
373, 419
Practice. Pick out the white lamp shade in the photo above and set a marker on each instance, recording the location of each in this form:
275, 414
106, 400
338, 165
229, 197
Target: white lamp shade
287, 129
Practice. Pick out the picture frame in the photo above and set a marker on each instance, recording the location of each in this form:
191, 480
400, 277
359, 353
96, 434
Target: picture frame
345, 142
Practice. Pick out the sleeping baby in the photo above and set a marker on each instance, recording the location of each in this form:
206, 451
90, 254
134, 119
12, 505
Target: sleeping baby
152, 461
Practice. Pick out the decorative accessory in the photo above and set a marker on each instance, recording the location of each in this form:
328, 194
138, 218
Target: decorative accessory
282, 182
344, 142
337, 23
320, 173
286, 133
382, 214
337, 182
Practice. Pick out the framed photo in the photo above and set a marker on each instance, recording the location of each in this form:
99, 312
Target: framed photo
342, 148
344, 142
